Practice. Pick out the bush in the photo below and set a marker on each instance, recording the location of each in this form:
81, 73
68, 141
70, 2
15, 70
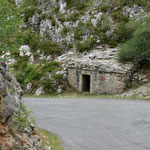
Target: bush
43, 16
22, 118
138, 47
39, 11
86, 46
47, 85
123, 32
28, 13
53, 22
64, 31
58, 77
33, 40
20, 78
49, 48
79, 4
104, 8
49, 67
62, 18
73, 17
78, 34
28, 74
70, 46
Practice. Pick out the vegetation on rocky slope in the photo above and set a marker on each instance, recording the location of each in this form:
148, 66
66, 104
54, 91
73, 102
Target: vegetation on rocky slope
137, 49
10, 19
80, 25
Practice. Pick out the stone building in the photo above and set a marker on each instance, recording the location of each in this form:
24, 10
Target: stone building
99, 72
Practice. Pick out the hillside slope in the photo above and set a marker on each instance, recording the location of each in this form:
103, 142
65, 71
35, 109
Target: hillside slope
57, 30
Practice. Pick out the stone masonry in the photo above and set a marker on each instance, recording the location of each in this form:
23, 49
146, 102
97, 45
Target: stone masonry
99, 72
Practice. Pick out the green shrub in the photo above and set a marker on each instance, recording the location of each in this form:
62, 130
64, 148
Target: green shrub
64, 31
56, 10
62, 18
49, 48
43, 16
49, 67
33, 40
78, 34
32, 74
28, 13
73, 17
103, 25
28, 74
58, 77
22, 118
27, 3
47, 85
104, 8
116, 15
53, 22
70, 46
20, 78
137, 49
39, 11
78, 4
86, 46
123, 32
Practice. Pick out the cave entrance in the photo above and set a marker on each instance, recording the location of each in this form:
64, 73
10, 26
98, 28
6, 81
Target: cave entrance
86, 83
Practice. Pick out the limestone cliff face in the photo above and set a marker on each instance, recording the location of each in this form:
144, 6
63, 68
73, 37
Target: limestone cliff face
15, 133
71, 22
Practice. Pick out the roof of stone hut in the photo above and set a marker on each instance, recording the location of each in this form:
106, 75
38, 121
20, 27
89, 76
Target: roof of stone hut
100, 59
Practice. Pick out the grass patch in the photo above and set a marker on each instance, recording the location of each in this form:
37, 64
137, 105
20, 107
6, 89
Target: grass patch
87, 95
50, 139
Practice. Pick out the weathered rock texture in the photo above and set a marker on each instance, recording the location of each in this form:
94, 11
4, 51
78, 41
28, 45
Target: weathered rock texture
105, 73
11, 137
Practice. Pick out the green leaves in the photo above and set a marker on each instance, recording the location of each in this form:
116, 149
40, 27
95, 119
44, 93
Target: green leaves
22, 118
138, 47
9, 22
86, 46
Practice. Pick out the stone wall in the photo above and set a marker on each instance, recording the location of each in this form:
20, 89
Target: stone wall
101, 82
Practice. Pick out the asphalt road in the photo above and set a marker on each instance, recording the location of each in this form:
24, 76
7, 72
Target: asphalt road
95, 124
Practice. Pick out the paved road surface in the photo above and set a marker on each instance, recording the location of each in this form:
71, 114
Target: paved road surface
95, 124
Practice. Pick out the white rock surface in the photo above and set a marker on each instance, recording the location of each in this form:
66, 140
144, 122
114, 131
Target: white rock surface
96, 18
29, 86
25, 50
59, 90
132, 11
141, 91
18, 2
102, 58
39, 91
62, 8
31, 59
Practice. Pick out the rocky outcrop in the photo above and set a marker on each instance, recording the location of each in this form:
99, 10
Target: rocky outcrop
71, 20
16, 130
143, 91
